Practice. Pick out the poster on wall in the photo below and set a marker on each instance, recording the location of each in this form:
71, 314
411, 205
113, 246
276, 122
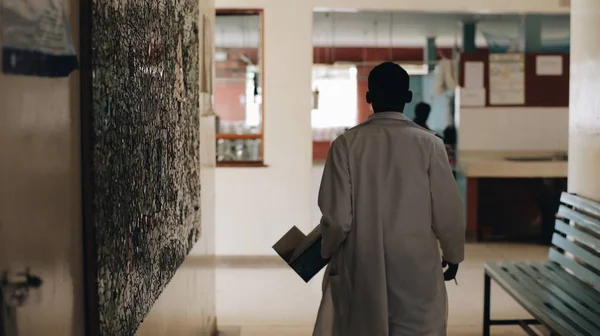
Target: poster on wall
549, 65
507, 79
474, 75
36, 40
206, 84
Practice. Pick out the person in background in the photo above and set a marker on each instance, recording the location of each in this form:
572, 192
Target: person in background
450, 136
388, 197
450, 140
422, 111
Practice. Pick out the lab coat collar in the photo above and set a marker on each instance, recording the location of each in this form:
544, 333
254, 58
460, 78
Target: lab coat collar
389, 115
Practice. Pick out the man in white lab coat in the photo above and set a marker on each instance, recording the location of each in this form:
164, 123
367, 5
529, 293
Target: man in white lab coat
388, 197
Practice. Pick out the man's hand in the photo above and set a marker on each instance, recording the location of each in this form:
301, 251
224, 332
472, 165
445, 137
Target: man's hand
450, 272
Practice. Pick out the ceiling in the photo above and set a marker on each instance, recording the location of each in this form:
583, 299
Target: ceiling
381, 29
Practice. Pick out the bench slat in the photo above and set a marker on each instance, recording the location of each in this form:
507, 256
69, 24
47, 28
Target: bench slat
585, 293
567, 296
586, 205
549, 317
577, 251
564, 292
579, 270
579, 218
580, 236
548, 297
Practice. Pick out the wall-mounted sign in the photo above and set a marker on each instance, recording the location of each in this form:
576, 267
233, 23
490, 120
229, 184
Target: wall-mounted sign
472, 97
36, 40
474, 75
507, 79
206, 58
549, 65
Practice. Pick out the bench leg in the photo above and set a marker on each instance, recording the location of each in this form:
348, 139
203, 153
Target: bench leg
486, 304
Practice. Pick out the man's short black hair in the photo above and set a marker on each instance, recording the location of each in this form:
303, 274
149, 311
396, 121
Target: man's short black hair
388, 88
388, 79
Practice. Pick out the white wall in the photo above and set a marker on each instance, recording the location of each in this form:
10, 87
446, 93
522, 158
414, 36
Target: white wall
513, 129
584, 123
40, 208
255, 206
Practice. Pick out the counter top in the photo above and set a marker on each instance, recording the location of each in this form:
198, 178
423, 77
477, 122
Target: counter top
495, 164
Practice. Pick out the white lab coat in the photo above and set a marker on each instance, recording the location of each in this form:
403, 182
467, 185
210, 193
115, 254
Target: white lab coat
387, 197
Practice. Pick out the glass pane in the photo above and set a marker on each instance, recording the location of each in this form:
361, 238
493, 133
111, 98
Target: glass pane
239, 150
337, 101
238, 87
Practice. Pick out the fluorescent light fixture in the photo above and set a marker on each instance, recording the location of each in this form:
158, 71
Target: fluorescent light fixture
335, 10
411, 68
415, 69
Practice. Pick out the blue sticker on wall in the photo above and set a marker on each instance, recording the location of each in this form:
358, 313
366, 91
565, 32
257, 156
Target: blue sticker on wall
36, 40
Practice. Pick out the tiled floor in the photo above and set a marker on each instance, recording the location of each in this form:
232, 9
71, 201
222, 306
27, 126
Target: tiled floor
267, 299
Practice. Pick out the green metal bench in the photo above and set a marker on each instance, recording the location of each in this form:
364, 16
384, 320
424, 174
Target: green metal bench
562, 294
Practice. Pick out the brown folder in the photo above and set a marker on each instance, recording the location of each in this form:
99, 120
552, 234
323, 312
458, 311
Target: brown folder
302, 252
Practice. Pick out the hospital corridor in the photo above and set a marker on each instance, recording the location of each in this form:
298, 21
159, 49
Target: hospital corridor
261, 297
300, 167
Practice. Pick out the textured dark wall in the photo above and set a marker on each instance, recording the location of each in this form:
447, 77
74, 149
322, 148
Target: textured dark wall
145, 151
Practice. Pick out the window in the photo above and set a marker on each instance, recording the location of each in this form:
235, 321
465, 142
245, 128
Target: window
238, 88
335, 108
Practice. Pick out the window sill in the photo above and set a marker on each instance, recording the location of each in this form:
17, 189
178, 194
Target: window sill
241, 164
227, 136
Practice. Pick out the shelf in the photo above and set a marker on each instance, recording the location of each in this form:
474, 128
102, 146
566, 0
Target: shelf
241, 164
239, 136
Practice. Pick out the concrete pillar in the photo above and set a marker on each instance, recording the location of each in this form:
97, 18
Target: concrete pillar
469, 32
531, 34
584, 103
430, 53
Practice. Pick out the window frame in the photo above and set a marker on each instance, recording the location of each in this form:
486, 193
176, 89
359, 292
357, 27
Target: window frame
261, 62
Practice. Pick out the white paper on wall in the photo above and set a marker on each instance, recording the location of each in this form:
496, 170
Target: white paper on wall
472, 97
474, 73
549, 65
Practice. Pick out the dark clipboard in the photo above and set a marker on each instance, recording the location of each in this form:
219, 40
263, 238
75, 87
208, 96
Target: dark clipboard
302, 252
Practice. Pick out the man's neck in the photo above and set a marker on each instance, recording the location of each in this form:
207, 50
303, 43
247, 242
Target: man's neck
388, 110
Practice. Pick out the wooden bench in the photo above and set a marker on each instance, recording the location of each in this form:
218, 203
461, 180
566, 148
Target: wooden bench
563, 293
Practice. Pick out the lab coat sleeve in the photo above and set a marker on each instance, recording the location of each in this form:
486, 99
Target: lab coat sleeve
335, 199
446, 203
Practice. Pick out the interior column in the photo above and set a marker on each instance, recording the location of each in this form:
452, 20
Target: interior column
469, 34
531, 34
584, 100
430, 53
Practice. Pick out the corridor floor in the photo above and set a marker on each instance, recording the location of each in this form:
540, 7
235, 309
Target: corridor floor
262, 297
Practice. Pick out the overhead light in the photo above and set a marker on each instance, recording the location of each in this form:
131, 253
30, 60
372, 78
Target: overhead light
411, 68
415, 69
335, 10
